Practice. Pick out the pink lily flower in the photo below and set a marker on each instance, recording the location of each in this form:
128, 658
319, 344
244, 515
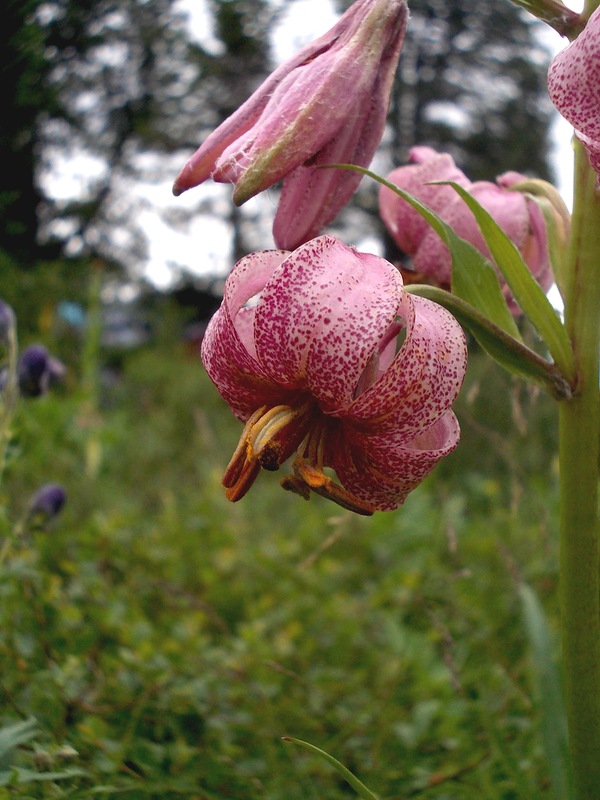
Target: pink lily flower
327, 104
574, 87
337, 363
518, 215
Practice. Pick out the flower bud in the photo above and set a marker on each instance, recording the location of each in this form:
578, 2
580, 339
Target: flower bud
326, 105
514, 210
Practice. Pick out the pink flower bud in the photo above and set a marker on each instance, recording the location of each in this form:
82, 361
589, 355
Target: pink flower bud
515, 212
574, 86
327, 104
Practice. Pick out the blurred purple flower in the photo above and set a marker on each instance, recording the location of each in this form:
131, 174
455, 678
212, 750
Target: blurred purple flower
38, 371
47, 503
7, 322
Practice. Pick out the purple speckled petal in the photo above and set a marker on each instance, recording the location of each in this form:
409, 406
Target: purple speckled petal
574, 86
574, 80
228, 347
320, 321
423, 380
382, 469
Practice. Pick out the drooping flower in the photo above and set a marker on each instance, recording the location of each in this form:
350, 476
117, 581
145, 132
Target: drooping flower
574, 87
337, 363
515, 212
327, 104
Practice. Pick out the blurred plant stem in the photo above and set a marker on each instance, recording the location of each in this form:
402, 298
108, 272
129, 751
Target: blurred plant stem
90, 371
579, 524
10, 392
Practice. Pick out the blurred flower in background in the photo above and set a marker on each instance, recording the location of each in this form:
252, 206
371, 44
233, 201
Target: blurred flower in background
45, 505
38, 371
516, 212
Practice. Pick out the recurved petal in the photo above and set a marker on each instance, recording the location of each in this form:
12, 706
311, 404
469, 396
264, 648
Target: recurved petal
574, 80
320, 320
382, 469
228, 351
424, 378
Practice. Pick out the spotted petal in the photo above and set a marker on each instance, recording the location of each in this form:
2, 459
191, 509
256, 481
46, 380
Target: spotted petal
574, 86
228, 346
381, 469
319, 323
424, 378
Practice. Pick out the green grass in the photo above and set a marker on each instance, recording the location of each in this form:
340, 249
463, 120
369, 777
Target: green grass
165, 640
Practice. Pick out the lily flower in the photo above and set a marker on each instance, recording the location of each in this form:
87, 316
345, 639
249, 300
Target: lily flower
337, 363
574, 87
516, 212
327, 104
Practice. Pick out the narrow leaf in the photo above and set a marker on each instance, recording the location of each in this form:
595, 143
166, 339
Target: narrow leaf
548, 689
526, 290
474, 279
11, 736
510, 353
354, 782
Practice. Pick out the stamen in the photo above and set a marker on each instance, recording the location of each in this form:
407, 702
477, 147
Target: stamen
316, 480
269, 437
238, 459
309, 476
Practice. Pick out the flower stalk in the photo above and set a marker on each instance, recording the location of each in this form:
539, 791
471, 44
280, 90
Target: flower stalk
579, 524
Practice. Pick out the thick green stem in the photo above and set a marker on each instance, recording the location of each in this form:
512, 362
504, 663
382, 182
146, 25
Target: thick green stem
579, 524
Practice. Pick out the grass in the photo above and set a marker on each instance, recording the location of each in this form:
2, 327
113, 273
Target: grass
164, 640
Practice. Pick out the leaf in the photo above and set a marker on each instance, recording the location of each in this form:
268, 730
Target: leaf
524, 287
19, 776
354, 782
510, 353
11, 736
474, 279
548, 688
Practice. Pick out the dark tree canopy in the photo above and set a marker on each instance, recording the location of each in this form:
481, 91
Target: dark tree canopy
472, 79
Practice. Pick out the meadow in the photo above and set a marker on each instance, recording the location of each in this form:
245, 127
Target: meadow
157, 642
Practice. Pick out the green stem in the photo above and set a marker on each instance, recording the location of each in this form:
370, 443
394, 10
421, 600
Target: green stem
579, 524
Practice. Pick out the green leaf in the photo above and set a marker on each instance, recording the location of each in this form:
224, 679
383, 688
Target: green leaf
510, 353
548, 689
474, 279
11, 736
525, 289
19, 776
354, 782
